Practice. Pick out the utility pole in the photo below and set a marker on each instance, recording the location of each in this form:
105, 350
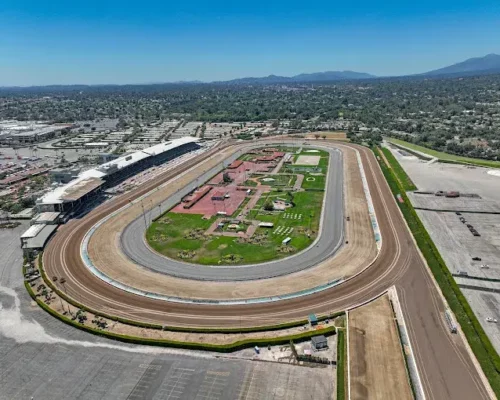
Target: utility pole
144, 215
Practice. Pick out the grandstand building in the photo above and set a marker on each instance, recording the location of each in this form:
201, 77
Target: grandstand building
78, 193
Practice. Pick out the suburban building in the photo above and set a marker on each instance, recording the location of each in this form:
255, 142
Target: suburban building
64, 175
319, 342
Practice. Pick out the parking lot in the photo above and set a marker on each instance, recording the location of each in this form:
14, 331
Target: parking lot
43, 358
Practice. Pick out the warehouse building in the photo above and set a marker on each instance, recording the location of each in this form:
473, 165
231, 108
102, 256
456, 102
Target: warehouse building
27, 134
81, 192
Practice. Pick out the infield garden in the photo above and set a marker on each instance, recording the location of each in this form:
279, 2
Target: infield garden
291, 214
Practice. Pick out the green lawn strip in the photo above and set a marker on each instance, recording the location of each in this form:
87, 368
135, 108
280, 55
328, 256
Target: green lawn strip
284, 180
400, 173
341, 365
477, 338
76, 304
318, 183
446, 156
248, 182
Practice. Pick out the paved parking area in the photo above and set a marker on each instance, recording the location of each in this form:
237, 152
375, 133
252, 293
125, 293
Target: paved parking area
43, 358
452, 237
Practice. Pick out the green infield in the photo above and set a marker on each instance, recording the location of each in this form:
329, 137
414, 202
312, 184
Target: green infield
283, 180
446, 156
314, 181
292, 223
182, 236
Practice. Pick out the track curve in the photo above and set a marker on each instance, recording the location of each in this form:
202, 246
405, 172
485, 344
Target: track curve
134, 245
445, 365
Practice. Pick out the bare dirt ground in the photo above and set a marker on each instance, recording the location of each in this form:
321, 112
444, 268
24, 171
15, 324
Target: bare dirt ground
308, 160
104, 250
376, 362
337, 135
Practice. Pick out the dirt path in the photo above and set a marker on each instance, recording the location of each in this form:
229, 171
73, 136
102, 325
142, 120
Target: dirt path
376, 362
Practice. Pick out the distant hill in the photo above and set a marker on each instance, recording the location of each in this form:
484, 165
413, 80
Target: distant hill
487, 64
312, 77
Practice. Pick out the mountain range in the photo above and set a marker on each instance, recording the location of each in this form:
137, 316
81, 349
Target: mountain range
488, 64
479, 65
313, 77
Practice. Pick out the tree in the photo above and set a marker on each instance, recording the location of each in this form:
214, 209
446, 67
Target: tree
316, 136
324, 137
268, 206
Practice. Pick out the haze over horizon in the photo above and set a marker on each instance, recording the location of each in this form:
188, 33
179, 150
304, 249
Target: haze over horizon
109, 42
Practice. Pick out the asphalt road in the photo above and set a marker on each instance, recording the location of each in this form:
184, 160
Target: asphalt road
446, 367
133, 242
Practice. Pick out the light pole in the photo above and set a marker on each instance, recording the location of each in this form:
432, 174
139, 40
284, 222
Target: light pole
144, 215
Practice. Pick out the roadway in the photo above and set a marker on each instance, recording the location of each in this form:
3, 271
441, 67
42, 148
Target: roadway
445, 366
329, 241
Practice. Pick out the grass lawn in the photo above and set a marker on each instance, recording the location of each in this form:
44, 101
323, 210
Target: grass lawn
181, 236
314, 182
445, 156
279, 180
168, 234
341, 365
249, 183
403, 178
247, 157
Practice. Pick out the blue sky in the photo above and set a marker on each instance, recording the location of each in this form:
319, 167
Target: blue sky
93, 42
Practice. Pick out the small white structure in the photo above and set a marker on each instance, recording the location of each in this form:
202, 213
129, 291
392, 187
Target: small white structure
286, 241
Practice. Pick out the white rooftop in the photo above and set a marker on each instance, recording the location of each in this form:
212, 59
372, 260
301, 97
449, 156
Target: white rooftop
172, 144
32, 231
57, 195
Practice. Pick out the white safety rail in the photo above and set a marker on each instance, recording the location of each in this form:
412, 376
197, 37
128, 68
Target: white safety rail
371, 208
94, 270
405, 341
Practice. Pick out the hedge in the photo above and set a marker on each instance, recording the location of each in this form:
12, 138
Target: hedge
341, 365
221, 348
147, 325
400, 173
477, 338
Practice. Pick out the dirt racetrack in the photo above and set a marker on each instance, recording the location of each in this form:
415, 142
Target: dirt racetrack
105, 253
446, 367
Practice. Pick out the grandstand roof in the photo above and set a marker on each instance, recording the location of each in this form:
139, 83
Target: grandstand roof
172, 144
91, 179
75, 189
37, 241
